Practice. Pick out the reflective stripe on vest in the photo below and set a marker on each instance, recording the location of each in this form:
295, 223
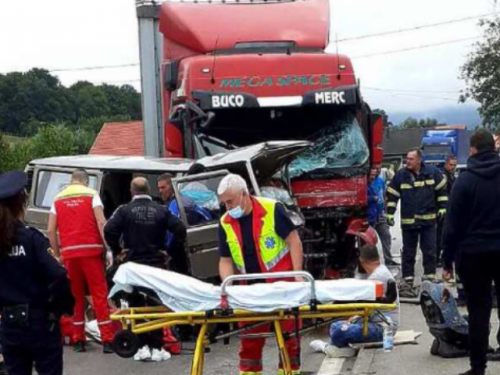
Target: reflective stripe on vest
78, 229
272, 247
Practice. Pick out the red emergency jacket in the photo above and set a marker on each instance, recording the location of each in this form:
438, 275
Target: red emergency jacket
79, 234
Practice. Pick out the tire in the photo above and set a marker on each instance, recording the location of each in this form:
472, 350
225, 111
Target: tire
126, 344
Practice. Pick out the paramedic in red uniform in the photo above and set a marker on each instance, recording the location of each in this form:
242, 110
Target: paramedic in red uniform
257, 236
77, 213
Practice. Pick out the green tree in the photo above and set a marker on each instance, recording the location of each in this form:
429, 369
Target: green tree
29, 101
89, 100
412, 122
122, 100
51, 140
481, 73
32, 95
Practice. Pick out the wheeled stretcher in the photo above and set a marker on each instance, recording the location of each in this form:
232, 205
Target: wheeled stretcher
300, 300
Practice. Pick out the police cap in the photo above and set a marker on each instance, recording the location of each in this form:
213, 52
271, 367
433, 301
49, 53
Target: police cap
12, 183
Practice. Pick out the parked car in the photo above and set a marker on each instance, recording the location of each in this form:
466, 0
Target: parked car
263, 166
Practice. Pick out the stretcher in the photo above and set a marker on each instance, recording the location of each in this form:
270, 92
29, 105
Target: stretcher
138, 320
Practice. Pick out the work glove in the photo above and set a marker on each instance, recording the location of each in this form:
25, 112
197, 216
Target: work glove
390, 220
441, 213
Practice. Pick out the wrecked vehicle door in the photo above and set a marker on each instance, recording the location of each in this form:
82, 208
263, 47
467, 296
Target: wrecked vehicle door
260, 166
263, 166
200, 210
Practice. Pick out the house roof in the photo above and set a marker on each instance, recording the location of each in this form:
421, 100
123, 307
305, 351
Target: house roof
400, 141
120, 139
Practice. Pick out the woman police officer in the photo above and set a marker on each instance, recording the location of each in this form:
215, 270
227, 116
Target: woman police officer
34, 288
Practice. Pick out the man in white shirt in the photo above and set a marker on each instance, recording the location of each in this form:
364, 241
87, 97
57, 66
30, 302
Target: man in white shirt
345, 332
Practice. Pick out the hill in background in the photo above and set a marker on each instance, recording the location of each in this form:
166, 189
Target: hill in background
463, 114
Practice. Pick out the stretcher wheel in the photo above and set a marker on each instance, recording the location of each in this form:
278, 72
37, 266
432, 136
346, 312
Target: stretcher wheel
126, 344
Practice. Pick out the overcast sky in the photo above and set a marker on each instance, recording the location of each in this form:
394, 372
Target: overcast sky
67, 34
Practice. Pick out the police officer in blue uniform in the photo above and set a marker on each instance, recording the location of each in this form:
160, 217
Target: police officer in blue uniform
34, 288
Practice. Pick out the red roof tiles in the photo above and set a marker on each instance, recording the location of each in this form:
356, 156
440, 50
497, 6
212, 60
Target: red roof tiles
120, 138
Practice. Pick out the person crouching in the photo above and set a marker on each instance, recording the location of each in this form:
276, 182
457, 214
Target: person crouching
345, 332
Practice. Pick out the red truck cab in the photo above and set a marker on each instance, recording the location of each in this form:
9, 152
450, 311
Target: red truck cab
240, 74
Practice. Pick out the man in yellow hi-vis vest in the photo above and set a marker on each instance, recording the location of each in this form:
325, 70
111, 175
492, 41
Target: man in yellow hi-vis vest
257, 236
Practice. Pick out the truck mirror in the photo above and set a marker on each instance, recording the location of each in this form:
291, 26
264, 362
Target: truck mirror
171, 75
206, 123
377, 137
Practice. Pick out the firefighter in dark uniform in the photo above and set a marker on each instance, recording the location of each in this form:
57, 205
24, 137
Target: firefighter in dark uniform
34, 289
422, 190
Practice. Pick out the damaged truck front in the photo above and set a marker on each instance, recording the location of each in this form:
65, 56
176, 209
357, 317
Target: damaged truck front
239, 74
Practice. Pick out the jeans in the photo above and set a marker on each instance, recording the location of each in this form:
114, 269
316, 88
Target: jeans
411, 237
343, 333
384, 233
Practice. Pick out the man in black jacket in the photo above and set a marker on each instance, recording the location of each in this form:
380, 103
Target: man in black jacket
142, 227
472, 240
137, 232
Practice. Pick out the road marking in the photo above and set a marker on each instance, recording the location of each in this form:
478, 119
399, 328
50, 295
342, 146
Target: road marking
364, 362
331, 366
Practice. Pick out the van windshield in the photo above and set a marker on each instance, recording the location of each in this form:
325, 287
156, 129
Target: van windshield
51, 183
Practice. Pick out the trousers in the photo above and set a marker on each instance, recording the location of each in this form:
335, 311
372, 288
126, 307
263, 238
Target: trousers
343, 333
478, 271
35, 345
384, 232
411, 237
251, 349
153, 339
89, 272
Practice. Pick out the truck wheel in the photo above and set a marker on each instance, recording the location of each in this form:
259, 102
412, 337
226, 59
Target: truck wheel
126, 344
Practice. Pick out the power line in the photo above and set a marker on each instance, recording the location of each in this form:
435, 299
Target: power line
416, 28
93, 68
415, 48
411, 91
118, 81
419, 96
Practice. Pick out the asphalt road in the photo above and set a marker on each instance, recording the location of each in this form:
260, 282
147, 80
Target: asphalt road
416, 359
223, 359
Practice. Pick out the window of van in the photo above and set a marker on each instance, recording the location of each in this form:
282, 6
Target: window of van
51, 183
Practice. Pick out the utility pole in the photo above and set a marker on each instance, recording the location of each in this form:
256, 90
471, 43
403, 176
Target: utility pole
151, 55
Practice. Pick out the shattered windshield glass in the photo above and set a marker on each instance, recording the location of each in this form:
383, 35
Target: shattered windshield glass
340, 145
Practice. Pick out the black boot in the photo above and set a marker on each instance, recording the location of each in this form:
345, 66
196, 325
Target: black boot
79, 347
495, 356
107, 348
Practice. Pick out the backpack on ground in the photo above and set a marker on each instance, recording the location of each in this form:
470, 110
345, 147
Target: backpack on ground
449, 328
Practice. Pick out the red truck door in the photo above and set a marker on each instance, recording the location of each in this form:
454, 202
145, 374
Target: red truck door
376, 137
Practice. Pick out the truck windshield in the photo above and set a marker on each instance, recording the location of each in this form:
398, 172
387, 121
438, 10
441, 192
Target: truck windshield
339, 146
338, 139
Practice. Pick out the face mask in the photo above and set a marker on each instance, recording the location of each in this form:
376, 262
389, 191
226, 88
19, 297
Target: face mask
237, 212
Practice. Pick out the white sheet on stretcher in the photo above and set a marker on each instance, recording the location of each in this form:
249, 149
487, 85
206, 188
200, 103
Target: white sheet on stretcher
183, 293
